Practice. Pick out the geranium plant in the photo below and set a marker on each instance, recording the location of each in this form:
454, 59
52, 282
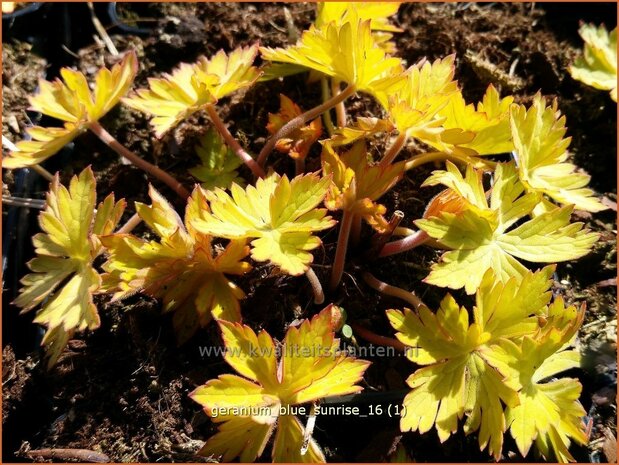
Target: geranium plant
504, 204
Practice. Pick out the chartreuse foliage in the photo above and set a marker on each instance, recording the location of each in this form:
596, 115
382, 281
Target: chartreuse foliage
597, 67
488, 366
71, 101
377, 12
63, 278
541, 150
482, 235
219, 164
357, 184
174, 97
278, 214
344, 50
182, 268
249, 407
494, 367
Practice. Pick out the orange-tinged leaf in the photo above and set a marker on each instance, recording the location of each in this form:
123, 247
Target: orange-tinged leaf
181, 267
357, 184
63, 279
278, 214
190, 87
250, 408
298, 143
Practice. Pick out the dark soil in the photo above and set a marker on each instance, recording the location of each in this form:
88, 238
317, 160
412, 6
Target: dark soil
122, 390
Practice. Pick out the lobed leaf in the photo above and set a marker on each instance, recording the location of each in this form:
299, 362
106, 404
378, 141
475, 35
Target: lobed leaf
279, 215
190, 87
310, 368
63, 278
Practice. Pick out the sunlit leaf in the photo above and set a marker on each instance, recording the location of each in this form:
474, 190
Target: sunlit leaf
182, 267
248, 407
279, 215
63, 278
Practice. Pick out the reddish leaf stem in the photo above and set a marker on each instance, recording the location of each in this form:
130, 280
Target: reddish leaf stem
394, 150
300, 120
233, 143
374, 338
390, 290
402, 245
151, 169
342, 247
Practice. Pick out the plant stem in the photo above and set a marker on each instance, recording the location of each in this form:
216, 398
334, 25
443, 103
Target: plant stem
380, 239
326, 95
393, 150
299, 165
402, 231
300, 120
340, 251
402, 245
340, 109
319, 295
355, 231
43, 172
233, 143
151, 169
129, 225
390, 290
374, 338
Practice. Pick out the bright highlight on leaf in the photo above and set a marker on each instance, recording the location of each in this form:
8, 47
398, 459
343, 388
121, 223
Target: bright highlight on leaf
219, 163
541, 150
346, 51
71, 101
597, 67
357, 184
488, 124
481, 236
299, 142
279, 215
249, 407
190, 87
182, 268
414, 108
549, 413
377, 12
474, 364
63, 279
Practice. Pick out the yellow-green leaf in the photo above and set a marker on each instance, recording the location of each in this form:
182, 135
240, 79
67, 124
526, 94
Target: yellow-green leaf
251, 408
541, 150
279, 215
181, 268
63, 279
482, 236
176, 96
597, 67
344, 50
219, 164
471, 367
